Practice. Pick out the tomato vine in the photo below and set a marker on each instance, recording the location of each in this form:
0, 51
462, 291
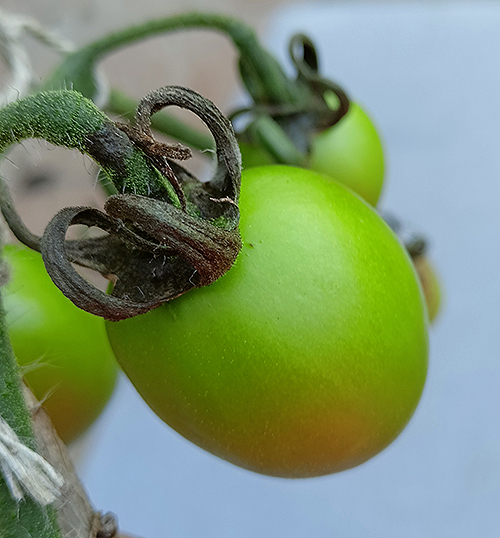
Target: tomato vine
166, 233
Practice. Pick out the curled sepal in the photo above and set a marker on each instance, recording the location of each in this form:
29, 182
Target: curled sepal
305, 59
154, 251
414, 242
285, 129
224, 187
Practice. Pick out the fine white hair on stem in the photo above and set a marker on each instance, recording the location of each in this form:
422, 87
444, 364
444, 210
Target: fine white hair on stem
25, 471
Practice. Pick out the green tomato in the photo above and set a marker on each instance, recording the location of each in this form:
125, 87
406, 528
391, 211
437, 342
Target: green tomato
350, 152
64, 352
309, 356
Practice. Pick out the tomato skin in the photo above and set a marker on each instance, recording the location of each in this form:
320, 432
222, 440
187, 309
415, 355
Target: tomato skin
309, 356
64, 352
350, 152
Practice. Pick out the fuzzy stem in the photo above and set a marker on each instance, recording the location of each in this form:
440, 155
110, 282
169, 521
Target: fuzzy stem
79, 66
24, 519
66, 118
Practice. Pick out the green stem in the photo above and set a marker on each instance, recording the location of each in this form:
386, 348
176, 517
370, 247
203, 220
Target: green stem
77, 68
24, 519
121, 104
276, 142
66, 118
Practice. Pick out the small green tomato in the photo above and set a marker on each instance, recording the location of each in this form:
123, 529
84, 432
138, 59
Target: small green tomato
351, 152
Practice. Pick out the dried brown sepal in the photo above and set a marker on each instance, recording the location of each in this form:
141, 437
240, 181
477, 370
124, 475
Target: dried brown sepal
322, 104
304, 57
154, 251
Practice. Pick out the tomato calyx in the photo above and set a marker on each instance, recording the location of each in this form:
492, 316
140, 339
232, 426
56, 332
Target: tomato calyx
182, 234
415, 243
285, 129
154, 251
333, 102
417, 247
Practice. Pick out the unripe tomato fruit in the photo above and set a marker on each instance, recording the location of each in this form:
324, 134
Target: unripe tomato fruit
64, 352
351, 152
309, 356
